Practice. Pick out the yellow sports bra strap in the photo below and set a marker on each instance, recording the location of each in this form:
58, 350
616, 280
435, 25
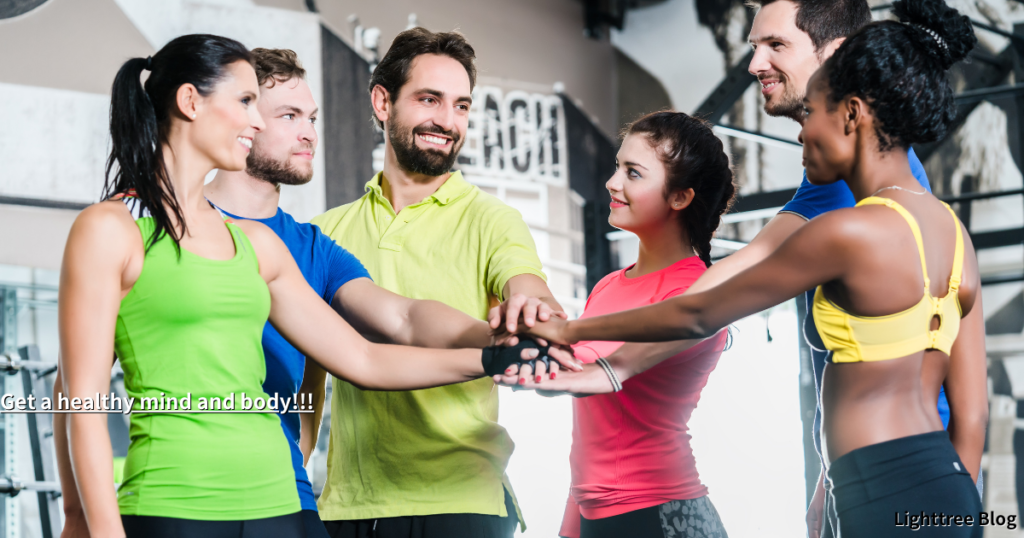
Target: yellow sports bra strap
958, 254
873, 200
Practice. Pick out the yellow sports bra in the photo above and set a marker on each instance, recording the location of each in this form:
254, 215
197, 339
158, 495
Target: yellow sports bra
853, 338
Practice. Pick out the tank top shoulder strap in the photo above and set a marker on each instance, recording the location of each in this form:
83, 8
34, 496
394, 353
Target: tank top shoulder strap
241, 240
892, 204
133, 203
958, 254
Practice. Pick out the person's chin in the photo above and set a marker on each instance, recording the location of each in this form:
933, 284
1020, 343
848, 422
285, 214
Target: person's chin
815, 177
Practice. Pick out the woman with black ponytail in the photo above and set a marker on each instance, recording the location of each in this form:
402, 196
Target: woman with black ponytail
897, 285
156, 276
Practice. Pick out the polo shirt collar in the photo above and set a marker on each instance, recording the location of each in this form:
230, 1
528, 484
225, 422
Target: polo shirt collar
454, 188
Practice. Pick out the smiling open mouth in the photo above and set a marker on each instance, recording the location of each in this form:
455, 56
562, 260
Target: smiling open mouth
434, 139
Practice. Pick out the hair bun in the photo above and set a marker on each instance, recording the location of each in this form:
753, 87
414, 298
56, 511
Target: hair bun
946, 34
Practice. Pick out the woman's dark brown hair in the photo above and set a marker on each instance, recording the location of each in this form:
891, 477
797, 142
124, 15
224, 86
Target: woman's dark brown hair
694, 158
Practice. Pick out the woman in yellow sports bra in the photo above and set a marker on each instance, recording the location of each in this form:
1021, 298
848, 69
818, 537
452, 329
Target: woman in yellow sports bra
897, 286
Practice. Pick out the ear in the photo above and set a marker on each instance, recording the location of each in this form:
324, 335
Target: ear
187, 100
856, 114
381, 100
680, 200
829, 49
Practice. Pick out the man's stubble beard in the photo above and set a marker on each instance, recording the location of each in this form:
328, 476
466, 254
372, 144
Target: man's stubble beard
789, 106
412, 159
273, 171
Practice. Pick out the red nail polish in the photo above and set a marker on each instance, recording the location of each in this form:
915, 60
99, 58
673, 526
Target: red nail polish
508, 371
536, 379
522, 381
552, 375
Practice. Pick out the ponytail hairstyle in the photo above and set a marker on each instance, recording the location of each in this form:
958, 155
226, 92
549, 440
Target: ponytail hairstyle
140, 120
899, 70
694, 158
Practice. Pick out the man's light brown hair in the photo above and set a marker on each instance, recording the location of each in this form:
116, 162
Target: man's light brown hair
276, 65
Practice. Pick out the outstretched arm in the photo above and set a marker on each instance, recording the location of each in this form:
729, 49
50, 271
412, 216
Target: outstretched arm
819, 252
967, 380
375, 311
780, 228
310, 325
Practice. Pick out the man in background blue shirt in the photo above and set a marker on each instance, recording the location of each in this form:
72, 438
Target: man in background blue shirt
282, 154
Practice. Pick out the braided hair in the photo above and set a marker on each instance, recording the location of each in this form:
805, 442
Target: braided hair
694, 158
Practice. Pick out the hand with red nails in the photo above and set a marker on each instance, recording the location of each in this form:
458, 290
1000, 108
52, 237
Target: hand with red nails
592, 379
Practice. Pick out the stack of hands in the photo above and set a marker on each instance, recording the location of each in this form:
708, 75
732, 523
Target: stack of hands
531, 338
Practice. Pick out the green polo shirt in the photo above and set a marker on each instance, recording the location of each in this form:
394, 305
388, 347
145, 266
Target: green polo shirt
441, 450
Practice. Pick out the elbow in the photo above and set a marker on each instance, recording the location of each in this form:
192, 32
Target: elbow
696, 324
969, 425
362, 374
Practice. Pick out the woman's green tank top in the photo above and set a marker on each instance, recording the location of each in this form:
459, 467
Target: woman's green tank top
190, 329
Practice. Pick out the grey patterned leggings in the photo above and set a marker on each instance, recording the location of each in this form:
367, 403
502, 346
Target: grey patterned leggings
692, 518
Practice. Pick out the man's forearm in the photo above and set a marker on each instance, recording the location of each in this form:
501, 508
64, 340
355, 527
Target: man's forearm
436, 325
314, 383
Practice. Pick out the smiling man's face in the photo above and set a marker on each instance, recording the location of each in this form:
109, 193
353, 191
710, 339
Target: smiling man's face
784, 59
428, 122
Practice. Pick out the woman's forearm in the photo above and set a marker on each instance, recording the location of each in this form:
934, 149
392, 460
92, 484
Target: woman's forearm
968, 439
678, 318
391, 367
93, 463
633, 359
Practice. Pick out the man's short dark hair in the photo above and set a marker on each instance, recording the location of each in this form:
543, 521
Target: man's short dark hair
826, 20
276, 65
393, 70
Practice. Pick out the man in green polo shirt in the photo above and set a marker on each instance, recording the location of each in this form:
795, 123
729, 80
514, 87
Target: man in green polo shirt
428, 463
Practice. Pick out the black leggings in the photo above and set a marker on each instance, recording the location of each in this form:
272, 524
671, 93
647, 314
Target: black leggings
890, 488
286, 526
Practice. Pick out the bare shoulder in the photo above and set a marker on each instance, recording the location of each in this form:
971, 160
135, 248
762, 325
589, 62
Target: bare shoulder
257, 232
108, 222
270, 250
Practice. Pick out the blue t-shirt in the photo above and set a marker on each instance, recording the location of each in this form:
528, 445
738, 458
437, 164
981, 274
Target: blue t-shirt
326, 267
810, 201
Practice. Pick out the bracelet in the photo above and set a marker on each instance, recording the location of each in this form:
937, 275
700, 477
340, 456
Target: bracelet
616, 384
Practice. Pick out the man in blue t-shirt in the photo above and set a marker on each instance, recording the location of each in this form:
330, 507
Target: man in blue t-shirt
282, 154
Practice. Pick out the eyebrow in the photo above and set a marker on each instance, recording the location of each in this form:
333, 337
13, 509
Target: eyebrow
638, 165
440, 95
769, 37
295, 110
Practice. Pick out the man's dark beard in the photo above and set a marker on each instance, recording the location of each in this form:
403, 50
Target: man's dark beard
275, 172
789, 107
411, 158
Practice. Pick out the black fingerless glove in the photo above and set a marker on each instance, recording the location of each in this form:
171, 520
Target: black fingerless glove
497, 359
